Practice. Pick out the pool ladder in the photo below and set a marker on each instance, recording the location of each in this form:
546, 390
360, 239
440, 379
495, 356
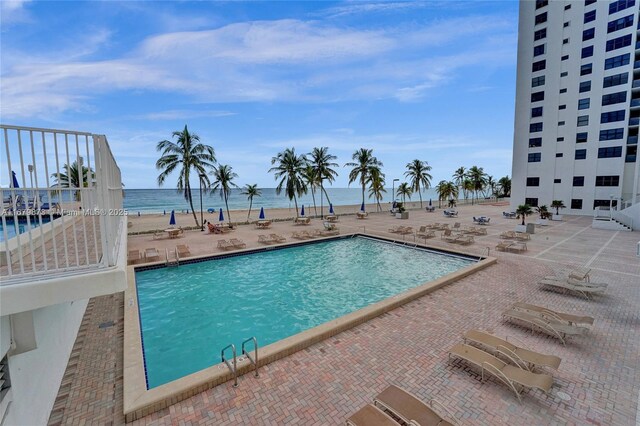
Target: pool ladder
232, 364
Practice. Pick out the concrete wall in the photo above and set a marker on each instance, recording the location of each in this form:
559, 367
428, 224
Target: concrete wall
36, 375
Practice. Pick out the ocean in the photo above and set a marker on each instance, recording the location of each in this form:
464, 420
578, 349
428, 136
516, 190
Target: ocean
160, 200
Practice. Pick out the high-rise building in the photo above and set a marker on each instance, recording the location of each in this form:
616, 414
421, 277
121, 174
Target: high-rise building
577, 105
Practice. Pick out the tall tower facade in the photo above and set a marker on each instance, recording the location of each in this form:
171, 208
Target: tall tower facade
577, 105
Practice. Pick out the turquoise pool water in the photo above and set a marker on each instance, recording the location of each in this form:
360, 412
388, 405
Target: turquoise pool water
188, 314
12, 229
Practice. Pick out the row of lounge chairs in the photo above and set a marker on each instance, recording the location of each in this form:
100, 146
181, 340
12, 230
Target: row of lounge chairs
512, 235
519, 246
233, 243
271, 239
456, 238
584, 288
403, 230
152, 254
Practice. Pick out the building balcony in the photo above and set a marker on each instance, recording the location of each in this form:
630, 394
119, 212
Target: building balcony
635, 84
63, 232
634, 121
635, 103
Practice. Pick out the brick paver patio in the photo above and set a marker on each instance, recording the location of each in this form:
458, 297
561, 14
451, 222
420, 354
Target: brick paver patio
598, 381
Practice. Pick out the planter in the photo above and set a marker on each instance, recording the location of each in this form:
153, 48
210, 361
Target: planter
521, 228
556, 217
403, 215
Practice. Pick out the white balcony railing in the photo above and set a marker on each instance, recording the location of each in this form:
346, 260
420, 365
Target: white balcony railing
61, 203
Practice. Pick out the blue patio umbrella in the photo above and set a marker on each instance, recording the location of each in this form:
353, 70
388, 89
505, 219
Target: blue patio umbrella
330, 208
429, 202
172, 219
221, 217
362, 207
261, 213
15, 179
302, 211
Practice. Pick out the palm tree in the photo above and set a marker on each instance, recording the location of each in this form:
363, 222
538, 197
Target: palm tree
467, 187
363, 166
478, 178
418, 172
459, 177
223, 181
524, 210
543, 211
505, 186
251, 191
491, 186
185, 155
446, 190
71, 178
289, 168
376, 187
322, 162
404, 190
311, 181
557, 204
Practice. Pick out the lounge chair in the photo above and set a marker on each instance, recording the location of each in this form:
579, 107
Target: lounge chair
464, 239
523, 358
182, 250
151, 254
581, 274
302, 221
237, 243
395, 229
277, 238
306, 234
362, 215
447, 236
265, 239
456, 225
328, 226
434, 226
298, 236
519, 246
576, 286
426, 234
224, 245
406, 230
522, 236
503, 245
133, 256
158, 235
370, 416
551, 327
508, 234
407, 407
548, 313
514, 377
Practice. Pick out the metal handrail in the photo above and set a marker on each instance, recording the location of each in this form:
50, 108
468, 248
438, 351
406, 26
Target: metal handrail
234, 369
254, 360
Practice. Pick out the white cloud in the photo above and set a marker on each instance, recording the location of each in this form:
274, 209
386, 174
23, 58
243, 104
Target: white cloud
183, 113
13, 12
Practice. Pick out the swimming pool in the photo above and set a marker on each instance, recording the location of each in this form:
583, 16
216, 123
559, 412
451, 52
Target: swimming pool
22, 225
188, 314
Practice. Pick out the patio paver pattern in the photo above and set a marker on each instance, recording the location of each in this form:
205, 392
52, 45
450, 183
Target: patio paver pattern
325, 383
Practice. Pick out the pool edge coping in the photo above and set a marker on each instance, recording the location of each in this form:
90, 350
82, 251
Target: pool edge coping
138, 401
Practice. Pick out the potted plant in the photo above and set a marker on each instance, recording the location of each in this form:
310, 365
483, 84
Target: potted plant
544, 213
557, 204
402, 212
522, 211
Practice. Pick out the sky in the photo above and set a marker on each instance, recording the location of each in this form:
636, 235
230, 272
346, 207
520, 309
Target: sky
433, 80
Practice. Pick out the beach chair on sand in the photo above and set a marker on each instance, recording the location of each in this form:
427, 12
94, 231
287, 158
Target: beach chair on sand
265, 239
182, 250
236, 243
224, 245
277, 238
582, 288
548, 313
516, 378
151, 254
523, 358
410, 409
370, 416
549, 326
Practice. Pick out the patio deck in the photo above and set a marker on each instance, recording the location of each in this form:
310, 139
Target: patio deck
325, 383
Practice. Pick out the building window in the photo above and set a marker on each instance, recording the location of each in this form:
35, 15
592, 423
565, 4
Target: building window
564, 58
563, 90
620, 24
588, 2
611, 134
576, 204
561, 123
536, 112
581, 154
557, 181
619, 5
539, 66
541, 3
542, 18
535, 127
581, 137
534, 157
588, 34
613, 116
617, 61
632, 151
565, 41
583, 120
585, 86
607, 180
614, 98
560, 139
587, 52
578, 181
584, 103
562, 107
535, 142
618, 43
559, 154
610, 152
538, 50
586, 69
537, 81
615, 80
537, 96
566, 24
588, 17
533, 181
533, 202
564, 74
605, 203
540, 34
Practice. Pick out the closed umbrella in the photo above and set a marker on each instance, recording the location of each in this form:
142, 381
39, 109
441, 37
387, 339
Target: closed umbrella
15, 179
362, 207
330, 208
302, 211
221, 217
172, 219
429, 202
261, 213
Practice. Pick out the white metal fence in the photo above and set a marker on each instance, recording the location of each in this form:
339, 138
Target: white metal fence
61, 203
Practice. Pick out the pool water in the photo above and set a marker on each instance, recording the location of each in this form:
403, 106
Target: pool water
189, 313
12, 229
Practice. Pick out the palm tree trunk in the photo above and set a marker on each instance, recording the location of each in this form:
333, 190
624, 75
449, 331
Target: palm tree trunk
250, 204
326, 195
420, 194
321, 206
295, 202
226, 202
313, 197
195, 217
363, 185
